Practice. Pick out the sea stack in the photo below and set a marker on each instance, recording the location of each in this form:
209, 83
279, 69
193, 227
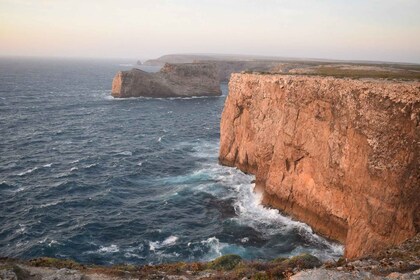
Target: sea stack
173, 80
339, 154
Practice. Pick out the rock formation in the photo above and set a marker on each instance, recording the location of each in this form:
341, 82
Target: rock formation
173, 80
340, 154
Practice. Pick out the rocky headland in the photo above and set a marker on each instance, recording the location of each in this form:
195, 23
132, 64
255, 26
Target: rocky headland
173, 80
228, 64
340, 154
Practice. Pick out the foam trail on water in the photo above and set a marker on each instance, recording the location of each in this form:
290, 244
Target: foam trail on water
27, 171
125, 153
109, 249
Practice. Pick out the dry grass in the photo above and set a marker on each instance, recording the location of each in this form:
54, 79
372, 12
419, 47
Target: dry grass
364, 73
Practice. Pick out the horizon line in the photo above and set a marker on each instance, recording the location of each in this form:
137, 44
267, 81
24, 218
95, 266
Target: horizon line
251, 56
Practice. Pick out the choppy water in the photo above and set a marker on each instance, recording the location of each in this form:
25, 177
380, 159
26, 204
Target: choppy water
103, 181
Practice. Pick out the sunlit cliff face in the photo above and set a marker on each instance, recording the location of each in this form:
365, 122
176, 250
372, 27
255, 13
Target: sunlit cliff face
338, 154
373, 30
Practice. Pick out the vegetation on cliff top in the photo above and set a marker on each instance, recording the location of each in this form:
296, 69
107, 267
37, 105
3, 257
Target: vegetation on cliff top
224, 267
353, 71
404, 258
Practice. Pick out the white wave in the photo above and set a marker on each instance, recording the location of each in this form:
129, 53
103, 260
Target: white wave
110, 249
139, 248
214, 248
269, 222
73, 169
108, 96
75, 161
20, 189
27, 171
132, 255
160, 139
169, 241
52, 242
49, 204
22, 244
125, 153
47, 165
245, 240
62, 175
90, 165
43, 240
152, 245
21, 229
140, 163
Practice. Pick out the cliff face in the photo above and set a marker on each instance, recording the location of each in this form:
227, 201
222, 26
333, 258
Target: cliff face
195, 79
339, 154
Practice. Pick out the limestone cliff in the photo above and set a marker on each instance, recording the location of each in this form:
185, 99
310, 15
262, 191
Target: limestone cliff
339, 154
193, 79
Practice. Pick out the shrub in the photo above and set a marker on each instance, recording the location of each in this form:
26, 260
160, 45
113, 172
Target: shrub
303, 261
226, 262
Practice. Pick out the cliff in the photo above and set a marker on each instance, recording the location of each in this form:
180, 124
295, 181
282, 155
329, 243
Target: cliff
173, 80
339, 154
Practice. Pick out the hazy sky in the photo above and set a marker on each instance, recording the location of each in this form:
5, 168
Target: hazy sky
358, 29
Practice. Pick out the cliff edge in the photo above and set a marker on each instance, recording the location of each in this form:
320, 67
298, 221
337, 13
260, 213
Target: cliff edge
337, 153
173, 80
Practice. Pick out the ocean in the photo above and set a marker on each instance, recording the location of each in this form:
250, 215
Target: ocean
105, 181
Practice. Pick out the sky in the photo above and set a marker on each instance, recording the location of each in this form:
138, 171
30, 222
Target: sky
383, 30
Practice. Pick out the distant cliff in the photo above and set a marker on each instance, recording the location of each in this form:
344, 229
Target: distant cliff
338, 153
191, 79
225, 64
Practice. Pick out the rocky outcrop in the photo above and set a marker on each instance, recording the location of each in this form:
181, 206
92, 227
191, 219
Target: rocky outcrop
339, 154
173, 80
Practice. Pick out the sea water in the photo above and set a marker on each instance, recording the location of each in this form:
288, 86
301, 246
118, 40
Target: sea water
102, 180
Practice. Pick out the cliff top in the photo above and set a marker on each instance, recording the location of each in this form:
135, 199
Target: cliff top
354, 71
405, 91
